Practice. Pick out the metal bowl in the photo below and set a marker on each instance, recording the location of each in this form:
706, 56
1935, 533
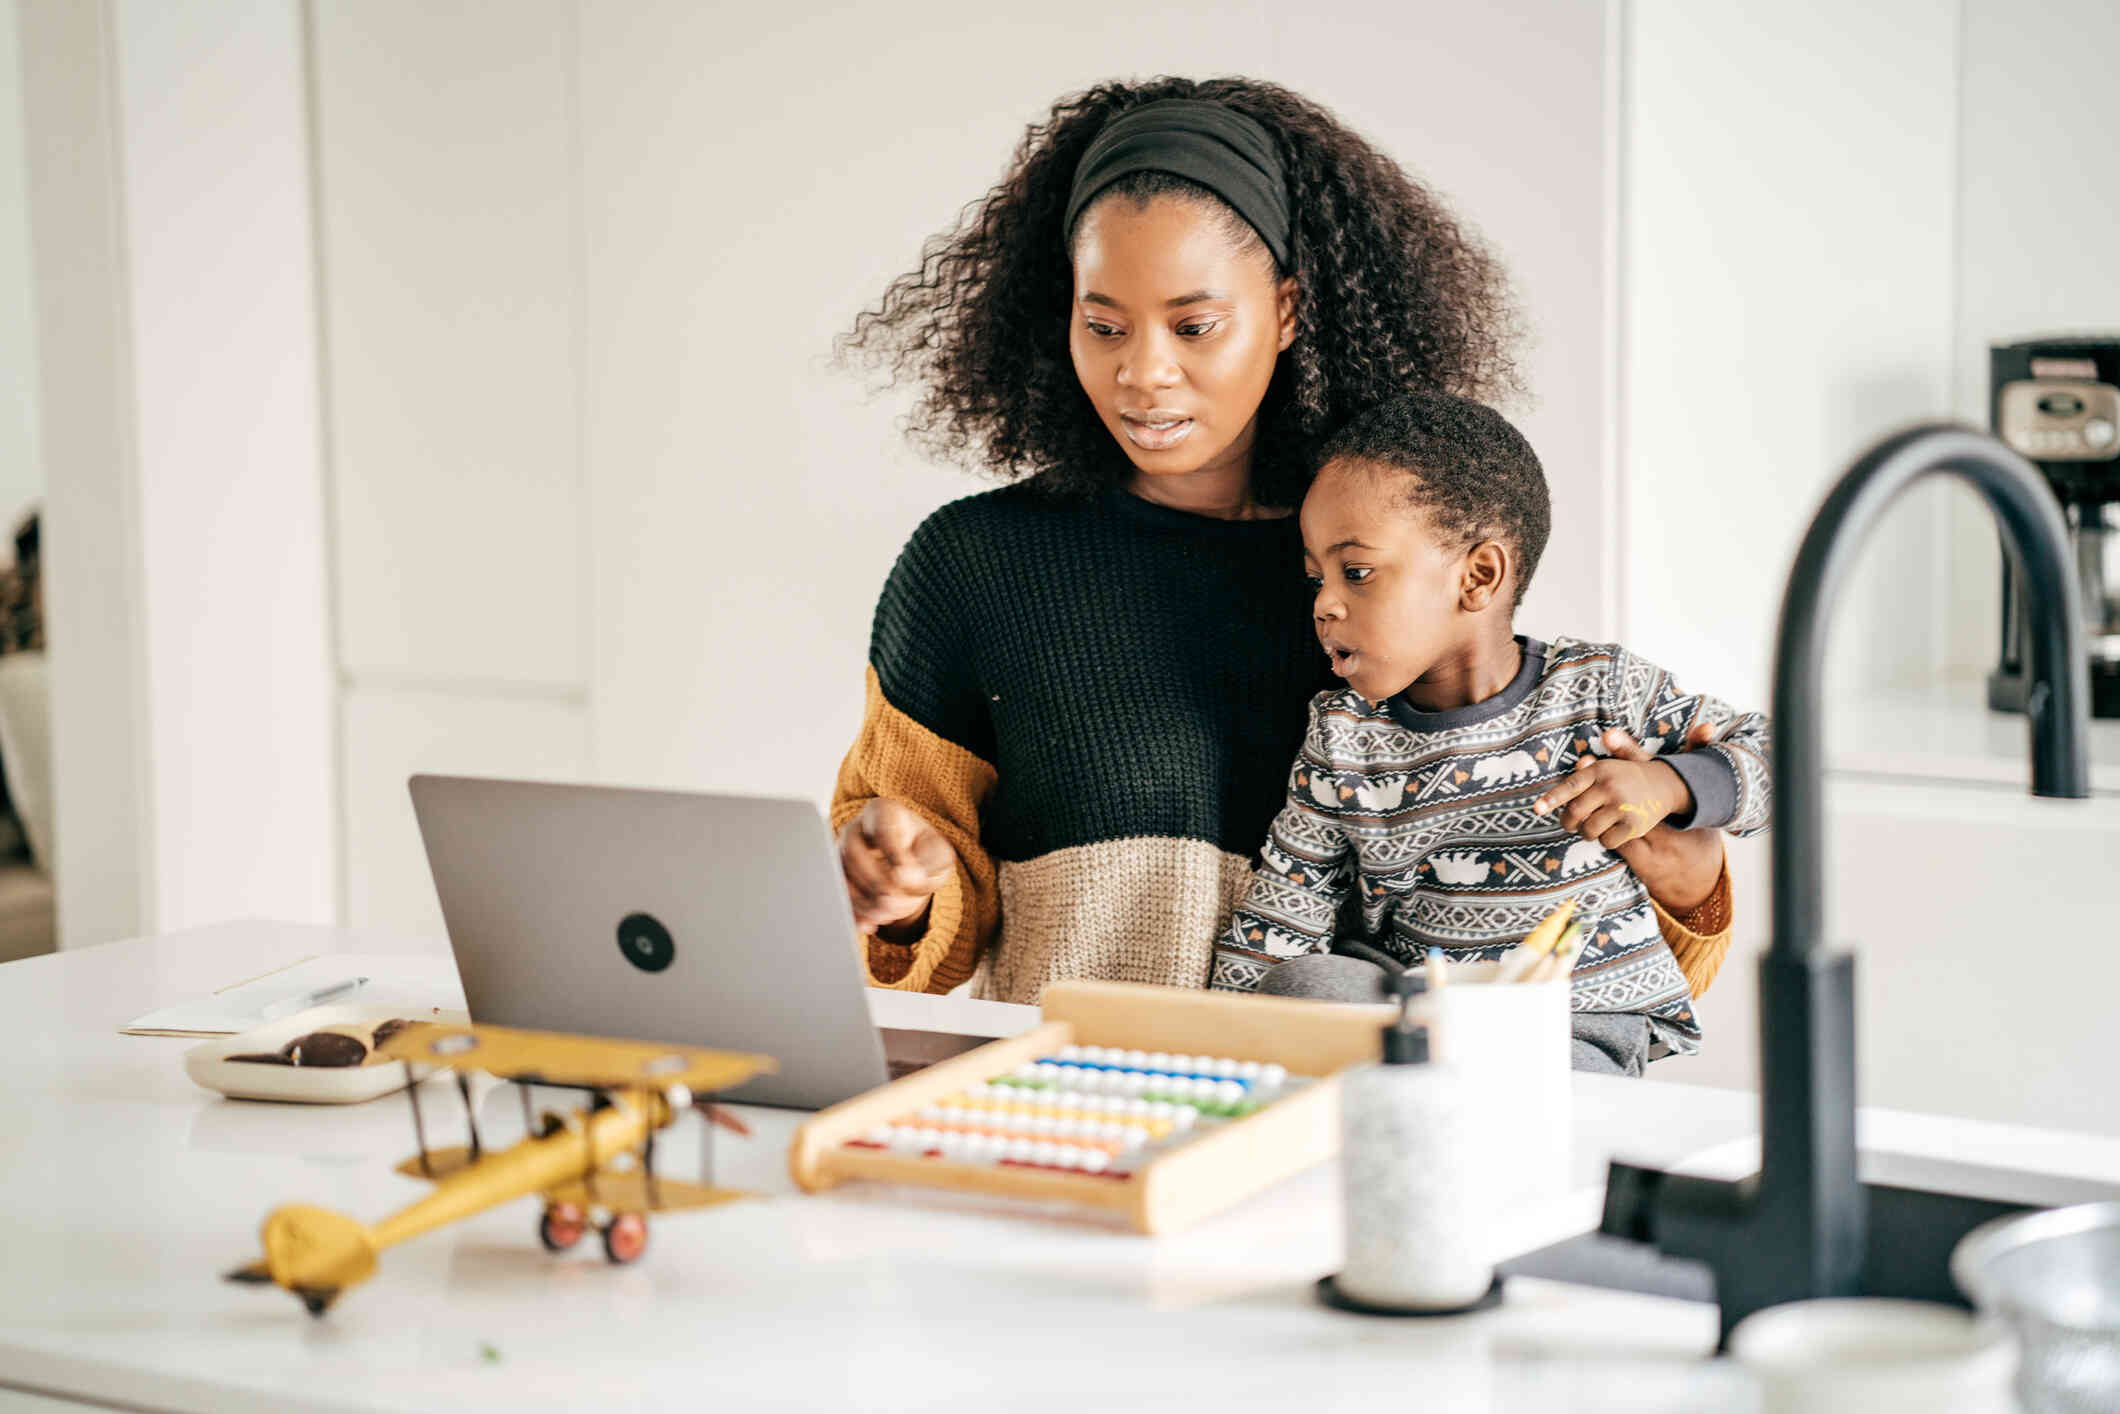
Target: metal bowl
2054, 1277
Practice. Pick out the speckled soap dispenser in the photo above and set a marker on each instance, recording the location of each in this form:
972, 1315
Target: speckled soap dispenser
1417, 1160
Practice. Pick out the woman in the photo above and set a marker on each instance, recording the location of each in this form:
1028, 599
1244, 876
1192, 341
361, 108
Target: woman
1084, 688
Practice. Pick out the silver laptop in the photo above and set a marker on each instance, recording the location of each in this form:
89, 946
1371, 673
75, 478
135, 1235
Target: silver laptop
711, 920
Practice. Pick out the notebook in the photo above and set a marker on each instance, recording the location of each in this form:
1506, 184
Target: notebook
411, 983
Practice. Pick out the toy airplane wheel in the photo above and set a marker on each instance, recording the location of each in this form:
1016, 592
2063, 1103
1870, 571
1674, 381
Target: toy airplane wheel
561, 1227
625, 1237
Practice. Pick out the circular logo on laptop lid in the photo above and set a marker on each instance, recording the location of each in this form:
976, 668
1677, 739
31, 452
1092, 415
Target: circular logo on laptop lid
645, 942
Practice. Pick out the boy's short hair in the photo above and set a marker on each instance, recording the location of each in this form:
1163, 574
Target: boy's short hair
1463, 463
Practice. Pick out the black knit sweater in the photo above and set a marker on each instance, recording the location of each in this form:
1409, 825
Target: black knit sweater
1127, 669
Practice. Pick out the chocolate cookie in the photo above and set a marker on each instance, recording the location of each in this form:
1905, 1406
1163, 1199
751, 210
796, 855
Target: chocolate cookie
391, 1028
324, 1048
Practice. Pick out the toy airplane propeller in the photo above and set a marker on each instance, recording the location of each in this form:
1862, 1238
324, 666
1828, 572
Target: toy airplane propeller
594, 1167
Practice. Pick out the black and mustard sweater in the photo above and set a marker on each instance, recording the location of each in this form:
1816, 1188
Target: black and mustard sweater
1095, 702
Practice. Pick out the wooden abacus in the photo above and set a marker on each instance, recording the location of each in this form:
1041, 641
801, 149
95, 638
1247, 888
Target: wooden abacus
1014, 1118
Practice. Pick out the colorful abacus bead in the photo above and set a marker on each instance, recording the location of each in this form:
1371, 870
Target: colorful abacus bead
1084, 1109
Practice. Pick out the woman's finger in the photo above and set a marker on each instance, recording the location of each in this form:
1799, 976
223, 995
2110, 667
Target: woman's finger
917, 857
922, 867
851, 848
874, 907
868, 891
857, 857
883, 912
932, 854
1699, 734
1625, 831
889, 827
865, 868
863, 902
867, 917
895, 893
1678, 867
889, 824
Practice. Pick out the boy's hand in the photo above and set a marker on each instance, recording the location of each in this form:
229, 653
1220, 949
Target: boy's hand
1613, 801
893, 862
1680, 868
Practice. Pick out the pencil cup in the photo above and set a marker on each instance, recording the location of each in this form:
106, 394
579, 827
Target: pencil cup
1510, 1041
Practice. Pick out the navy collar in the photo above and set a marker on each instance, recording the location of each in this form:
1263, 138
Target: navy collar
1527, 677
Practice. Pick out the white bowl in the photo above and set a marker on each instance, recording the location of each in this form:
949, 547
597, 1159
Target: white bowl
208, 1064
1866, 1355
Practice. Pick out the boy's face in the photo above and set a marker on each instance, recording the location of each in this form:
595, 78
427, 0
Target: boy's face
1388, 589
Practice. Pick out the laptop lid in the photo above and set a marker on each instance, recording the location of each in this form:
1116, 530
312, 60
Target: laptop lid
711, 920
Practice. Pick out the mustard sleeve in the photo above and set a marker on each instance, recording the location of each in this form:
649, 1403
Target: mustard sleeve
945, 784
1700, 939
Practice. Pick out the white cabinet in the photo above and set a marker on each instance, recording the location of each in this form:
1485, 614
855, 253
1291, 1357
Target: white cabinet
1987, 963
450, 262
451, 282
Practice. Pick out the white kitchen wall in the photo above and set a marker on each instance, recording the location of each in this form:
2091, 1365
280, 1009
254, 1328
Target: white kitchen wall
21, 473
1827, 214
1531, 172
214, 140
103, 870
602, 508
191, 705
747, 501
1787, 194
2038, 222
452, 283
1786, 272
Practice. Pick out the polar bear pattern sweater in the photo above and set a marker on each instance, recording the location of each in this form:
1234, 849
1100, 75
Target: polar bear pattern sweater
1426, 817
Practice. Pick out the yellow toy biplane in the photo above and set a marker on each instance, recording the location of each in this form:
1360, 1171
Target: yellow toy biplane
594, 1167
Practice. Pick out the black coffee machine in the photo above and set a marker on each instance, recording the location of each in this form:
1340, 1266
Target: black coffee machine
2056, 402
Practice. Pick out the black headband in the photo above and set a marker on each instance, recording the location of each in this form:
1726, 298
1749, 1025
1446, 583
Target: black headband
1209, 143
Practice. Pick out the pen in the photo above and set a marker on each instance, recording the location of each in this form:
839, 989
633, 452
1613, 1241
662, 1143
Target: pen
1517, 963
288, 1006
1561, 961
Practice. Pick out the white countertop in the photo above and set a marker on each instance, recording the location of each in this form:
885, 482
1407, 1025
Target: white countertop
128, 1191
1945, 732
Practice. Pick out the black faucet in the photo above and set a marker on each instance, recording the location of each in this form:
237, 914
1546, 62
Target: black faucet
1805, 1225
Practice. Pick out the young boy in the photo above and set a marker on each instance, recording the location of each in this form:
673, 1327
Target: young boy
1457, 783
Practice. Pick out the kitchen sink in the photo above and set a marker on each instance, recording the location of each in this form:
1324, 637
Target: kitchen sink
1910, 1234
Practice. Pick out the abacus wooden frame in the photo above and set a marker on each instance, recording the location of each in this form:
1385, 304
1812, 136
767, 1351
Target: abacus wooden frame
1173, 1189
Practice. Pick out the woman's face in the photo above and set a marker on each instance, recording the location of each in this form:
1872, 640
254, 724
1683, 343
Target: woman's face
1175, 330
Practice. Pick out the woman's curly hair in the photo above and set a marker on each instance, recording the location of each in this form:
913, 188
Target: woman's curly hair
1393, 295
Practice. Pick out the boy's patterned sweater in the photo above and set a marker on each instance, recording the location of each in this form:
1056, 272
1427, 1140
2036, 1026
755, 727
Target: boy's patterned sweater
1095, 703
1427, 816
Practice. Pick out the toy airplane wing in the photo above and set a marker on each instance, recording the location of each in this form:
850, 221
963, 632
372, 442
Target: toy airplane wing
630, 1190
620, 1189
558, 1058
436, 1164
